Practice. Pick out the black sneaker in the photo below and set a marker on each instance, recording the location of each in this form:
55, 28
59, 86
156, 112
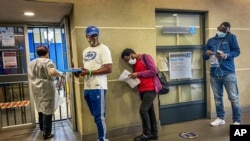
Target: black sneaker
153, 137
45, 137
142, 138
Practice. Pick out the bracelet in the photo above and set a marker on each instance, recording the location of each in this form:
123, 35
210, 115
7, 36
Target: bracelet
90, 72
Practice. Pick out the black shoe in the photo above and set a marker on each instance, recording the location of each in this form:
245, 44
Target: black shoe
45, 137
142, 138
153, 137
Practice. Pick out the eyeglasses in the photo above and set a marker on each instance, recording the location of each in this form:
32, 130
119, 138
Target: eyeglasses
222, 29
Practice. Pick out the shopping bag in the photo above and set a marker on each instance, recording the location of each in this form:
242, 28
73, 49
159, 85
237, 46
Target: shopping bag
58, 101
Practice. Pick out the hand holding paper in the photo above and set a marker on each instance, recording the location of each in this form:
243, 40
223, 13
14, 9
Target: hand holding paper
125, 77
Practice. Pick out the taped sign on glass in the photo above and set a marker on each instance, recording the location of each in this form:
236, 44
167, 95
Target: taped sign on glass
179, 30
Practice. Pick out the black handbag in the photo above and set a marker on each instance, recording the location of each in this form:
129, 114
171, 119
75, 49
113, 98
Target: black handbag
162, 78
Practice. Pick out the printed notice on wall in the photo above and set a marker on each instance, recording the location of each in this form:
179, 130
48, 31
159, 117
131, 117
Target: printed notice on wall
9, 60
8, 38
180, 65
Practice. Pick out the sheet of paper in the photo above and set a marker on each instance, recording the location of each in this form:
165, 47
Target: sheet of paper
72, 70
132, 82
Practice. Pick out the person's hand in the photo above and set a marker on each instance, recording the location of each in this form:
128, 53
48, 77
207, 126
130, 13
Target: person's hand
133, 75
208, 52
63, 76
81, 73
220, 54
77, 74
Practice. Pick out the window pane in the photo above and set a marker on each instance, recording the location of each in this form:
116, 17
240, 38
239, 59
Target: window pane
180, 21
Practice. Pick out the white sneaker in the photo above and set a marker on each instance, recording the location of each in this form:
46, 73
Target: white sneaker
236, 123
105, 140
217, 122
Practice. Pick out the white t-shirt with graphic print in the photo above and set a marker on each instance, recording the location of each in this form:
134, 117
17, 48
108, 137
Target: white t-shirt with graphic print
93, 59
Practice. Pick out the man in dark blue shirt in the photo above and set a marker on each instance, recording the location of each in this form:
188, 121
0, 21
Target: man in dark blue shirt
221, 50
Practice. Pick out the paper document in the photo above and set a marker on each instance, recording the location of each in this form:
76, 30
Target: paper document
132, 82
72, 70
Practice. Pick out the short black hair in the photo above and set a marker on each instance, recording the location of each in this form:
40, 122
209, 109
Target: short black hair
41, 50
127, 52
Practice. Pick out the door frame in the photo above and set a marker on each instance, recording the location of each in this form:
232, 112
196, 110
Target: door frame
69, 76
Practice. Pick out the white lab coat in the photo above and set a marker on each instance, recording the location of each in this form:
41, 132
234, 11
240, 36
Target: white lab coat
41, 72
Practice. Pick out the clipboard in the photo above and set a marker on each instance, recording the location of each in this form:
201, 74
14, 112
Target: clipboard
72, 70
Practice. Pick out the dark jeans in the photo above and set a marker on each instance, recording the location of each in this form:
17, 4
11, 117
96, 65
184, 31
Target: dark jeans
147, 113
45, 123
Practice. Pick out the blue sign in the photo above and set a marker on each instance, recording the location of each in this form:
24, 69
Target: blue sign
192, 30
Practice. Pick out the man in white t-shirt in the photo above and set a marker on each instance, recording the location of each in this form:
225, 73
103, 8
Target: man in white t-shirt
97, 63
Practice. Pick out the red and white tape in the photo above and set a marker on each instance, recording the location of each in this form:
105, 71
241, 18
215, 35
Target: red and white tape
14, 104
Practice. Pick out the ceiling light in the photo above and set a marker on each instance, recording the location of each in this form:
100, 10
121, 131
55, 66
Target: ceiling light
29, 14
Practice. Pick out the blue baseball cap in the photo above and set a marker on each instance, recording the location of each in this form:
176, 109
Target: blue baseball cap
91, 30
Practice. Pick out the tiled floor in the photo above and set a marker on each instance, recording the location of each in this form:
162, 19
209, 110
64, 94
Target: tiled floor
170, 132
61, 130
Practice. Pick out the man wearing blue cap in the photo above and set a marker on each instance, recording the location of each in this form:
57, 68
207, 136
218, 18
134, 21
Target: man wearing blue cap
97, 63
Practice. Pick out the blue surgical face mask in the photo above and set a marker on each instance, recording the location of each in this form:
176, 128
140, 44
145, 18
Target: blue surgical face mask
221, 34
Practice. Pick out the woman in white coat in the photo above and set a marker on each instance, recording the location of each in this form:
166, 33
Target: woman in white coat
41, 72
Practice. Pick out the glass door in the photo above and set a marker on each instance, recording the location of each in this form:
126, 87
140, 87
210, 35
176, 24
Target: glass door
179, 44
16, 108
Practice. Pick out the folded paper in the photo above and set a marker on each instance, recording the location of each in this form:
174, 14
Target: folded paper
132, 82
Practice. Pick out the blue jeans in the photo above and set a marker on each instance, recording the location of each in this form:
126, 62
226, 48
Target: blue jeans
230, 83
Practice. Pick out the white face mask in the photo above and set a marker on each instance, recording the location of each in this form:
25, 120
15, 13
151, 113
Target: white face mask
221, 34
132, 61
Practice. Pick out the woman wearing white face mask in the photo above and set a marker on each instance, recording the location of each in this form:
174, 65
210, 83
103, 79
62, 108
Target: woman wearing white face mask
148, 88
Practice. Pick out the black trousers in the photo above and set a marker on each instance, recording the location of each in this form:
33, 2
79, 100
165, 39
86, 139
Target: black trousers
147, 113
45, 123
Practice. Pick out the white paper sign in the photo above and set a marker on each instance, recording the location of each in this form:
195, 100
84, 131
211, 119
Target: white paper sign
9, 59
8, 38
180, 65
132, 82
